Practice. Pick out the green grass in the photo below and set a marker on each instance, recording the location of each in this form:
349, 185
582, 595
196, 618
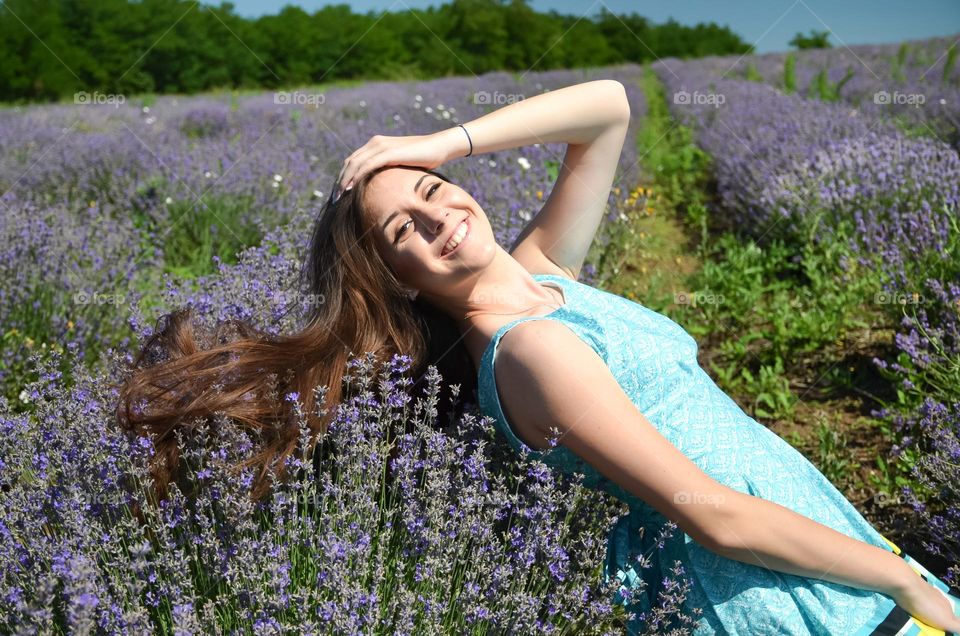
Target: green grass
191, 232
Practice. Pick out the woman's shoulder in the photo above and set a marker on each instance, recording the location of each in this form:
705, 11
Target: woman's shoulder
537, 344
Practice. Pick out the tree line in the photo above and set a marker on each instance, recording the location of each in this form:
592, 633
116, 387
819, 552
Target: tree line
51, 49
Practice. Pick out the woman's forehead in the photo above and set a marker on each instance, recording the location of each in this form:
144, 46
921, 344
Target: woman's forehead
388, 186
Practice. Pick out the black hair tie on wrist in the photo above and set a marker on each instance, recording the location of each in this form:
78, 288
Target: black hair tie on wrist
468, 139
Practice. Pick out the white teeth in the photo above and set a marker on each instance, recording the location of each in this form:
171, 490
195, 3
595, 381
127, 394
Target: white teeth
456, 238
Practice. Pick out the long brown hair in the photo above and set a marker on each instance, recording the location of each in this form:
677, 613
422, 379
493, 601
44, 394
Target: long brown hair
181, 375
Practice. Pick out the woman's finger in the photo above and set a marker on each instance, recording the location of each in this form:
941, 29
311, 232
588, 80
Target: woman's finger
350, 161
369, 160
364, 165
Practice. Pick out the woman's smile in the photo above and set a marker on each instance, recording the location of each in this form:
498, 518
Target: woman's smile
459, 236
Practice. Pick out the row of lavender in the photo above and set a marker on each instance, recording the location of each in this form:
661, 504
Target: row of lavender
92, 193
807, 170
917, 81
456, 544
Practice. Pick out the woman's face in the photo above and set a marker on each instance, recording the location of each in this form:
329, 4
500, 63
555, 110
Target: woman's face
415, 214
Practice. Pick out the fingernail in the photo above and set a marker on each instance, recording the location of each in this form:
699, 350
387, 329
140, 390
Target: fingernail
349, 185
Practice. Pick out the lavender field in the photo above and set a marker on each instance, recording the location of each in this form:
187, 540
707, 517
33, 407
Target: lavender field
839, 208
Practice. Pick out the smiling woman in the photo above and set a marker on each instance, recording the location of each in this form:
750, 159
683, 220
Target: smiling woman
772, 547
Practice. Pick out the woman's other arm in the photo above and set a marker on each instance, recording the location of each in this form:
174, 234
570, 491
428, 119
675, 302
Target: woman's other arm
592, 119
551, 378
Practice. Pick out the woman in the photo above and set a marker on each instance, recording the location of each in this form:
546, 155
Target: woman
772, 546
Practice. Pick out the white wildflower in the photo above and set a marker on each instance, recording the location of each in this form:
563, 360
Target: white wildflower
278, 178
524, 163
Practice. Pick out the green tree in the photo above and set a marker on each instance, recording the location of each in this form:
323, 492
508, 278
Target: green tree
50, 49
816, 40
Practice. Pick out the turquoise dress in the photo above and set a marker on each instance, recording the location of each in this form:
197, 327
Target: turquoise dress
655, 363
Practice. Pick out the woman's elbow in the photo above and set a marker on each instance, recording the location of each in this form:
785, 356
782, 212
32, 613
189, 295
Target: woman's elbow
622, 100
718, 522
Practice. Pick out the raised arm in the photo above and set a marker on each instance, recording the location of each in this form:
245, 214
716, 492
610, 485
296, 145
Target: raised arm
551, 378
592, 119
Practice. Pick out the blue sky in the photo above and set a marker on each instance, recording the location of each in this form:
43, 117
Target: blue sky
769, 24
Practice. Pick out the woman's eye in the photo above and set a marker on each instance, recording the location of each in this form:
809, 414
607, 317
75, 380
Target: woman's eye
432, 189
402, 227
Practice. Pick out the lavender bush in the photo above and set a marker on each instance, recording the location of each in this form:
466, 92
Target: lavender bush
402, 532
936, 470
916, 83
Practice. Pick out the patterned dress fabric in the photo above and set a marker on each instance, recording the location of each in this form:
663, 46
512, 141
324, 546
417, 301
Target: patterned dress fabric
655, 363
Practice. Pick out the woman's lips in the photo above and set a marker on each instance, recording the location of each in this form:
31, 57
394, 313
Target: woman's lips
466, 222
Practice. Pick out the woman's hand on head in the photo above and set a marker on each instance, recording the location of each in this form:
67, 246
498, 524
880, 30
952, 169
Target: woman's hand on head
427, 151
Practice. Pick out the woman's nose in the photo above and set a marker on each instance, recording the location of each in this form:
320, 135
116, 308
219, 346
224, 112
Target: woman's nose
437, 221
